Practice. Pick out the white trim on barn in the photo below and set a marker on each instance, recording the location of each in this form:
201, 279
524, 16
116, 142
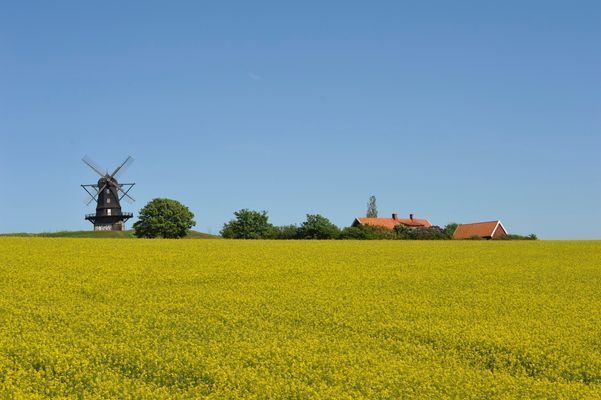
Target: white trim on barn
496, 227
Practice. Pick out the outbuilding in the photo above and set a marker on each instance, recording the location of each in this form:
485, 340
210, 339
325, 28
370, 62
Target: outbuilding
484, 230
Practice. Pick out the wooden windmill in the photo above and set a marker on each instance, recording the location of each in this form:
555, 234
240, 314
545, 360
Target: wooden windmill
108, 193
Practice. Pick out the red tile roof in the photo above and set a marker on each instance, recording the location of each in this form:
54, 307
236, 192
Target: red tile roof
390, 223
481, 229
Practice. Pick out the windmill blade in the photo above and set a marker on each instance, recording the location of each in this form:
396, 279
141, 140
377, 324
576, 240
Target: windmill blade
92, 193
90, 200
100, 190
129, 199
90, 163
122, 167
126, 195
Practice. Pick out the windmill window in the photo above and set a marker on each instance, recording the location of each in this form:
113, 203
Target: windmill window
108, 199
107, 191
108, 211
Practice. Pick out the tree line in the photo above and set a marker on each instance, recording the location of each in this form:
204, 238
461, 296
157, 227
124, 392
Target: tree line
250, 224
168, 218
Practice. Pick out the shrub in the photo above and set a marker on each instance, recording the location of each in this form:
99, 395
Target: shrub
318, 227
430, 233
367, 232
248, 224
450, 228
286, 232
474, 237
402, 232
532, 236
164, 218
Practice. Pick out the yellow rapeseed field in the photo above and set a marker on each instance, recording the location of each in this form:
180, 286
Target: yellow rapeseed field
104, 318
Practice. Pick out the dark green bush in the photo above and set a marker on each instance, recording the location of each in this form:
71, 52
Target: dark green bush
248, 224
532, 236
367, 232
318, 227
286, 232
474, 237
418, 233
449, 229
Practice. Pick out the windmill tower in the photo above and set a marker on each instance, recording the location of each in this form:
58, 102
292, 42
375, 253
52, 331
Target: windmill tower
108, 194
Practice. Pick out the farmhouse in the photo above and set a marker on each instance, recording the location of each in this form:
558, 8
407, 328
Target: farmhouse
390, 223
484, 230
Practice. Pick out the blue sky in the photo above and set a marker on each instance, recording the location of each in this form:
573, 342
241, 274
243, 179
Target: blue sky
454, 111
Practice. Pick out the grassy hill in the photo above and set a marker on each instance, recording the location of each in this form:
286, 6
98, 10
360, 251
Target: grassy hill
129, 234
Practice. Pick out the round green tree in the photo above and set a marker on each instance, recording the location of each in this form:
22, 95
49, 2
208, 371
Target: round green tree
248, 224
318, 227
164, 218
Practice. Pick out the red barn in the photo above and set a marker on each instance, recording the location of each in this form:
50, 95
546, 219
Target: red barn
390, 223
485, 230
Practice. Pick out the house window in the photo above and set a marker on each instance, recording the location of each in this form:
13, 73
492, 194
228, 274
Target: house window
108, 211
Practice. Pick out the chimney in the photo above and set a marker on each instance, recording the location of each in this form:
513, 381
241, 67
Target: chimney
394, 216
410, 216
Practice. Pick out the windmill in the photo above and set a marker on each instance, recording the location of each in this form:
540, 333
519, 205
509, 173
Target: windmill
108, 194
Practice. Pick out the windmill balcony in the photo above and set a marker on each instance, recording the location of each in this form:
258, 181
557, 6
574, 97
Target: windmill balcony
123, 214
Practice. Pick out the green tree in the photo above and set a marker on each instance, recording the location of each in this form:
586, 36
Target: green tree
402, 232
318, 227
285, 232
372, 208
164, 218
248, 224
449, 229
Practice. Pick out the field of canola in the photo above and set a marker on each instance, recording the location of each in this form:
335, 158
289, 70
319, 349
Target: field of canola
105, 318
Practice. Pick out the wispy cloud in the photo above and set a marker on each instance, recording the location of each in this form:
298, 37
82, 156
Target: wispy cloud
254, 76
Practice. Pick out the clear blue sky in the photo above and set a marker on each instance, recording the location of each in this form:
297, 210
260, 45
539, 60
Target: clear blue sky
454, 111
